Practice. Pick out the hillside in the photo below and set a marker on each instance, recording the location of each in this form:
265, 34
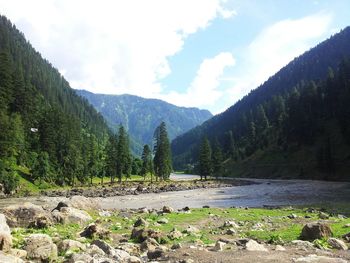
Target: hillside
293, 125
46, 128
141, 116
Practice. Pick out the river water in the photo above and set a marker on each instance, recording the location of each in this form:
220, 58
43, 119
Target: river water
264, 193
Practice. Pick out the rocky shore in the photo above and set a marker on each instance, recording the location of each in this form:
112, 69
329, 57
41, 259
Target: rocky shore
135, 188
78, 230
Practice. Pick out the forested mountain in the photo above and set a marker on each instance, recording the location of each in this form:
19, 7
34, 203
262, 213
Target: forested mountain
141, 116
47, 131
296, 124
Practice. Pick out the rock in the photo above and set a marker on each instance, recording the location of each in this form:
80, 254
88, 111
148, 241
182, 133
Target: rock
323, 215
230, 231
346, 236
83, 203
133, 259
117, 254
138, 235
176, 246
346, 225
292, 216
188, 260
9, 258
40, 247
19, 253
319, 259
95, 250
95, 231
312, 231
131, 248
230, 224
163, 221
105, 213
60, 205
191, 230
258, 227
70, 215
140, 222
303, 244
175, 234
106, 248
337, 244
206, 206
5, 235
219, 246
252, 245
279, 248
186, 209
26, 215
154, 254
80, 258
149, 244
69, 244
167, 209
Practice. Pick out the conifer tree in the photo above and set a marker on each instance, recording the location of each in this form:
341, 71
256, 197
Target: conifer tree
123, 154
146, 161
205, 164
162, 153
217, 158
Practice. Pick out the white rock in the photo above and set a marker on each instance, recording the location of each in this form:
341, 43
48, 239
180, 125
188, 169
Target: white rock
279, 248
72, 215
9, 258
252, 245
319, 259
337, 244
219, 246
40, 247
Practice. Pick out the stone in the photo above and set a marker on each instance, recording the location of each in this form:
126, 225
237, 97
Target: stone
154, 254
303, 244
323, 215
140, 222
337, 244
5, 258
80, 258
105, 213
318, 230
175, 234
191, 230
292, 216
95, 250
167, 209
133, 259
60, 205
83, 203
138, 234
219, 246
131, 248
19, 253
230, 231
252, 245
230, 224
186, 209
149, 244
94, 230
5, 235
26, 215
279, 248
40, 247
319, 259
163, 221
346, 236
106, 248
69, 244
117, 254
70, 215
176, 246
346, 225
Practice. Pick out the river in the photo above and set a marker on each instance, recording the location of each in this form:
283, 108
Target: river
264, 193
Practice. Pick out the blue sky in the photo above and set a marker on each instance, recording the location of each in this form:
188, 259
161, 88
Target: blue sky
200, 53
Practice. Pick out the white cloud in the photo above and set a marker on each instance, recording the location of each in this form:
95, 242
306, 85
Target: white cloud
275, 46
204, 88
110, 46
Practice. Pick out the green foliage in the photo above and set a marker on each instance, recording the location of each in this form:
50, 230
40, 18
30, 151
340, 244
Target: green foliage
147, 163
162, 154
205, 163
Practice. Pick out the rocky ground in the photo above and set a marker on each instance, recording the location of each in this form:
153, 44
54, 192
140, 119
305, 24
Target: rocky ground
135, 188
77, 230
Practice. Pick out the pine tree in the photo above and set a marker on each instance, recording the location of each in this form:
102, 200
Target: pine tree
123, 155
146, 161
217, 158
162, 153
205, 165
111, 156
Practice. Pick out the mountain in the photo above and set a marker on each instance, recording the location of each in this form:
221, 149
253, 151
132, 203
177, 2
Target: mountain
293, 125
141, 116
46, 128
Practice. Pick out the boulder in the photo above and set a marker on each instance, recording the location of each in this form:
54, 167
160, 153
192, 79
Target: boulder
5, 258
131, 248
118, 254
83, 203
70, 215
252, 245
346, 236
149, 244
318, 230
5, 235
133, 259
167, 209
337, 244
154, 254
80, 258
279, 248
40, 247
27, 215
230, 224
319, 259
303, 244
175, 234
95, 250
69, 244
140, 235
94, 230
140, 222
19, 253
163, 221
219, 246
191, 230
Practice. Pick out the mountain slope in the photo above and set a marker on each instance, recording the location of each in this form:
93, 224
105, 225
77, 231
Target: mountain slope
45, 126
261, 120
141, 116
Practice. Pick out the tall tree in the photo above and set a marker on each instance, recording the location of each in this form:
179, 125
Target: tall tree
146, 162
111, 156
123, 154
205, 164
162, 154
217, 158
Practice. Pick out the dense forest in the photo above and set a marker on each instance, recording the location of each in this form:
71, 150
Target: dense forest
50, 135
295, 125
141, 116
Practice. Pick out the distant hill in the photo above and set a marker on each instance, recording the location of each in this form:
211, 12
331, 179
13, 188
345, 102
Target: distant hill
141, 116
293, 125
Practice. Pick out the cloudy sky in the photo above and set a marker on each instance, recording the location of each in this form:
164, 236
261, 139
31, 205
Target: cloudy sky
201, 53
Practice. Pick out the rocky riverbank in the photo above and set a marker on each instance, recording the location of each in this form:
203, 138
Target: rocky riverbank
135, 188
78, 230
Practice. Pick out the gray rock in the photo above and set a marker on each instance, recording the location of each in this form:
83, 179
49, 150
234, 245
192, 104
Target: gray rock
131, 248
318, 259
303, 244
117, 254
140, 222
70, 215
154, 254
318, 230
5, 235
69, 244
133, 259
176, 246
337, 244
230, 231
219, 246
95, 231
252, 245
231, 224
19, 253
83, 203
149, 244
80, 258
27, 215
191, 230
167, 209
40, 247
279, 248
323, 215
175, 234
95, 250
9, 258
163, 221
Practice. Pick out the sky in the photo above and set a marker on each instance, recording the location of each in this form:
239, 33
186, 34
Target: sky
193, 53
